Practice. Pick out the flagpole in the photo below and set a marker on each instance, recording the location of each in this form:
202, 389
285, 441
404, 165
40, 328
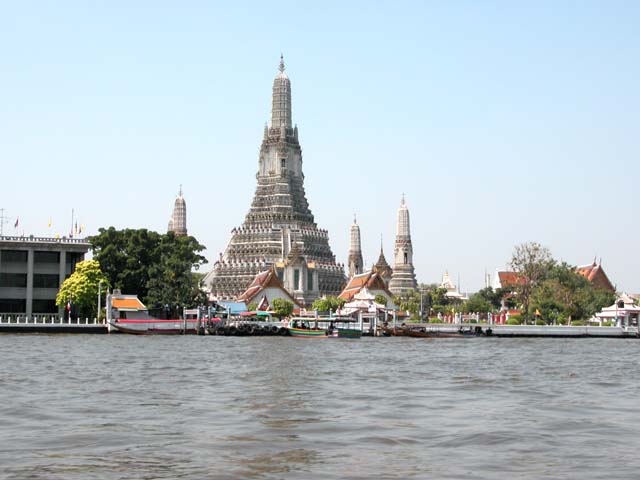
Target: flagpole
71, 230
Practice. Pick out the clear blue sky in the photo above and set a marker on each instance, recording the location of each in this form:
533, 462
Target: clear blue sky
503, 122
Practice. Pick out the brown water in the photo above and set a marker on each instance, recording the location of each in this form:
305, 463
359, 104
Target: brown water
122, 407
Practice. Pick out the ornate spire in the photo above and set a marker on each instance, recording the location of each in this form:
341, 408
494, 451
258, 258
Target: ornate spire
355, 250
281, 102
404, 277
178, 221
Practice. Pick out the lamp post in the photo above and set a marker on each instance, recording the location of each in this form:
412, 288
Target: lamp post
99, 300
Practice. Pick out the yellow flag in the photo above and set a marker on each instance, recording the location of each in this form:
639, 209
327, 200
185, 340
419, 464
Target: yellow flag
49, 224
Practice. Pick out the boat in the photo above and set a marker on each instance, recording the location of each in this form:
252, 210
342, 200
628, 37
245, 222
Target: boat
307, 332
127, 314
346, 333
155, 326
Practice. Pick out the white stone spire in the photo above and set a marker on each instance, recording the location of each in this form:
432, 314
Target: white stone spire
281, 100
355, 250
178, 221
404, 277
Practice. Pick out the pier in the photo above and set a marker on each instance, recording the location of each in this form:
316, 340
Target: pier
549, 331
50, 324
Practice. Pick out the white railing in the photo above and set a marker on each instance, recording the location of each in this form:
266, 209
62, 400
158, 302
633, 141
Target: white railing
6, 319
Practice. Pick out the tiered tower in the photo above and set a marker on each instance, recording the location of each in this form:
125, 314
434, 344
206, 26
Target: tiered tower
178, 221
382, 267
355, 250
279, 230
404, 277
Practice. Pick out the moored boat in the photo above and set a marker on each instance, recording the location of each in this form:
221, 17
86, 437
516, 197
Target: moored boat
307, 332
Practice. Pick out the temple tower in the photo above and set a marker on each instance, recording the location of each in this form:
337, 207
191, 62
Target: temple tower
404, 277
355, 250
279, 230
382, 267
178, 221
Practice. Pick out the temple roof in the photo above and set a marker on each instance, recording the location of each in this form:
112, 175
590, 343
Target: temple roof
262, 281
370, 280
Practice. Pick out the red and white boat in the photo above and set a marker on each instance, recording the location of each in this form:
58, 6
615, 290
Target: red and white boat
127, 314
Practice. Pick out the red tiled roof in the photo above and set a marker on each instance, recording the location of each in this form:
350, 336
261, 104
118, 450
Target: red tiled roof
595, 274
372, 280
510, 279
262, 281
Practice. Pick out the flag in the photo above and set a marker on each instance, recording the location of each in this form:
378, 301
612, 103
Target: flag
49, 224
68, 307
82, 228
16, 224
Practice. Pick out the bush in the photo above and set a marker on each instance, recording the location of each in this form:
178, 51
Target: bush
514, 320
435, 320
578, 323
540, 322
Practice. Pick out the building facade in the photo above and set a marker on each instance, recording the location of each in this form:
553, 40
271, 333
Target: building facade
279, 230
403, 278
32, 270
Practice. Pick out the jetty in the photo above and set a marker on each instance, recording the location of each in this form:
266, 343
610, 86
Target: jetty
549, 331
51, 324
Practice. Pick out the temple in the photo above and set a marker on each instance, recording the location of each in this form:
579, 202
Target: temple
279, 231
382, 268
355, 250
403, 278
178, 221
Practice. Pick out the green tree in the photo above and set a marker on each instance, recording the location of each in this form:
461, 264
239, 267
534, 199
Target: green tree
327, 303
409, 302
158, 268
381, 299
81, 288
532, 262
281, 307
478, 303
252, 307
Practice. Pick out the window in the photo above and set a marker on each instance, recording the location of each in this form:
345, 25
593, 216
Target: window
283, 163
13, 280
14, 256
72, 258
46, 257
310, 280
43, 280
45, 306
296, 279
406, 257
13, 305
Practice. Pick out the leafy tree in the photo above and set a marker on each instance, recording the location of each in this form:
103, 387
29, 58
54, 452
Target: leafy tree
282, 307
252, 307
158, 268
81, 288
409, 301
381, 299
532, 262
478, 303
327, 303
171, 280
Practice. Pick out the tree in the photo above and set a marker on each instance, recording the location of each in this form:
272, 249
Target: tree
252, 307
282, 307
477, 303
327, 303
408, 301
171, 280
381, 299
531, 261
158, 268
81, 288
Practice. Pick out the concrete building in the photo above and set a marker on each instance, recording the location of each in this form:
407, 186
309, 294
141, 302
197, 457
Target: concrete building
279, 230
403, 277
32, 270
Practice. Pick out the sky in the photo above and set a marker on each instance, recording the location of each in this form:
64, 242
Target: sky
502, 122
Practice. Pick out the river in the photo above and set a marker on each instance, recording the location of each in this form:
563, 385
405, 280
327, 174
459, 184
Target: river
126, 407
